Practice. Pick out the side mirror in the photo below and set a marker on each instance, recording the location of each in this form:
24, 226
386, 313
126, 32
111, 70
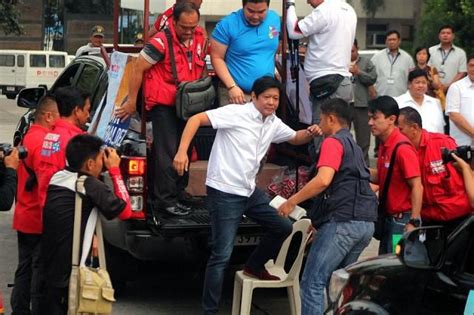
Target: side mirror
29, 97
423, 248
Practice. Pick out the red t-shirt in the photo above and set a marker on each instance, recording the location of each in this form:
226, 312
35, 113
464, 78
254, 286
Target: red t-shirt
28, 216
331, 153
444, 195
53, 153
406, 167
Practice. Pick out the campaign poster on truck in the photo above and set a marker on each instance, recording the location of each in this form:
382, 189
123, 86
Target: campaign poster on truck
104, 124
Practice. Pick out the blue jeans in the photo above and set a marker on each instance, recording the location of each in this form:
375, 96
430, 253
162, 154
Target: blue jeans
336, 245
226, 212
392, 226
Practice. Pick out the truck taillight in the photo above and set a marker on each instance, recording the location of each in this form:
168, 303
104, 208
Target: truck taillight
136, 203
136, 166
135, 184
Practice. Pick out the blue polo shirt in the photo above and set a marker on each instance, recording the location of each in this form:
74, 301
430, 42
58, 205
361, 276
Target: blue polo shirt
250, 49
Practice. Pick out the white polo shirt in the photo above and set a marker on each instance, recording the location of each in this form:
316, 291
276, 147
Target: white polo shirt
242, 140
331, 28
460, 99
430, 111
448, 63
392, 72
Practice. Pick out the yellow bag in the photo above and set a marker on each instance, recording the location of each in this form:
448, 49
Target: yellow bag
96, 294
90, 289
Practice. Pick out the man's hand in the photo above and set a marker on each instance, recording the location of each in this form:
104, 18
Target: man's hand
126, 110
12, 160
236, 96
314, 131
111, 158
354, 69
460, 164
285, 209
409, 227
181, 162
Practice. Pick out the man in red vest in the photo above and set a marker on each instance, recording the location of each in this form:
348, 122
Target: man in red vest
153, 68
445, 199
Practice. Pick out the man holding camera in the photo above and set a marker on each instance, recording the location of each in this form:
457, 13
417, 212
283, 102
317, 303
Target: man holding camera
8, 165
444, 195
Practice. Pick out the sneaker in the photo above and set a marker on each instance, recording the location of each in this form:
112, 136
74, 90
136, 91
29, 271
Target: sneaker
262, 275
177, 210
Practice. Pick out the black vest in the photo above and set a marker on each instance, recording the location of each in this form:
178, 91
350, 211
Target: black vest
349, 196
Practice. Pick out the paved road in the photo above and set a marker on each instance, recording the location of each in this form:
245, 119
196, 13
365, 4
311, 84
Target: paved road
158, 289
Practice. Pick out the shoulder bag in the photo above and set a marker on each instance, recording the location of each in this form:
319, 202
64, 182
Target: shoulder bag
381, 213
90, 289
192, 97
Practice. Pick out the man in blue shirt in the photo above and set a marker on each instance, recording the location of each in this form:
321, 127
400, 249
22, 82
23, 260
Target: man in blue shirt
243, 48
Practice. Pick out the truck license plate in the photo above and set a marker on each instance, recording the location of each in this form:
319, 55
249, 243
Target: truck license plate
10, 88
247, 240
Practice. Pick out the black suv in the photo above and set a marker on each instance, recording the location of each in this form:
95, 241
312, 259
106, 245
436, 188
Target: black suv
174, 238
430, 274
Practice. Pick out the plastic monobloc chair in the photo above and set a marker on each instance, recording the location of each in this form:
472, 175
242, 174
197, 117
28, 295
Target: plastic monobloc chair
244, 285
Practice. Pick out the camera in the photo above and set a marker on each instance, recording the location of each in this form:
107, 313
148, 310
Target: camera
464, 152
6, 149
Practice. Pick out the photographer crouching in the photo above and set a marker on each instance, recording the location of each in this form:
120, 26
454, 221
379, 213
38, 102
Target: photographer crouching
9, 161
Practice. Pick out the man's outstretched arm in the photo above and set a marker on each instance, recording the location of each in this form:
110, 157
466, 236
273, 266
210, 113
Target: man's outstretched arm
181, 161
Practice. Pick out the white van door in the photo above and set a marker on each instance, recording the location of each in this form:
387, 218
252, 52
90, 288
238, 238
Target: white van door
20, 70
7, 72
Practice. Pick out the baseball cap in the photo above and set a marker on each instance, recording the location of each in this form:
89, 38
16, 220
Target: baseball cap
98, 30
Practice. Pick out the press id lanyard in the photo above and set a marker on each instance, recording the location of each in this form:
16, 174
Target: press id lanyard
392, 61
444, 55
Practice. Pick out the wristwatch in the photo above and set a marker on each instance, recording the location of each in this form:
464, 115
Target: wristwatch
416, 222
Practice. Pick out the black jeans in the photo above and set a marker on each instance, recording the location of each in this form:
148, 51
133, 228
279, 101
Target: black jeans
167, 185
27, 276
55, 302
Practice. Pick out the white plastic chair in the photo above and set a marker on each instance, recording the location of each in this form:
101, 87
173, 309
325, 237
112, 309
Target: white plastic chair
244, 285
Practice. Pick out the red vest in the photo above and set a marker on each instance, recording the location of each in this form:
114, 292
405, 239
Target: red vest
159, 85
444, 194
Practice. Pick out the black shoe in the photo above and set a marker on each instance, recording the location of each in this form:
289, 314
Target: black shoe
177, 210
187, 199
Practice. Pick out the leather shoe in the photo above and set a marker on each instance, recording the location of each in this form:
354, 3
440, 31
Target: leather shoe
262, 275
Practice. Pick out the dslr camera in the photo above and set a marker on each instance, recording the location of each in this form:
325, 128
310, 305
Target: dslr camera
464, 152
6, 149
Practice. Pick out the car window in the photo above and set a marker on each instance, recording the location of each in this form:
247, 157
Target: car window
20, 61
57, 61
7, 60
38, 61
87, 80
67, 78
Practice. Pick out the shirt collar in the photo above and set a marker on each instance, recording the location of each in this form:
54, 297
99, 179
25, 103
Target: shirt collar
257, 115
392, 138
388, 51
441, 48
61, 122
425, 137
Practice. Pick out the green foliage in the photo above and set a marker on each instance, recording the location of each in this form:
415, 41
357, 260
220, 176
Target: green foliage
9, 18
459, 13
372, 6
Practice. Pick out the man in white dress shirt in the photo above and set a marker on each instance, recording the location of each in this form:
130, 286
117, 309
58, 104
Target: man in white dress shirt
244, 134
429, 107
460, 107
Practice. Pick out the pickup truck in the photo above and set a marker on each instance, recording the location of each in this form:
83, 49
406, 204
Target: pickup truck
173, 238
